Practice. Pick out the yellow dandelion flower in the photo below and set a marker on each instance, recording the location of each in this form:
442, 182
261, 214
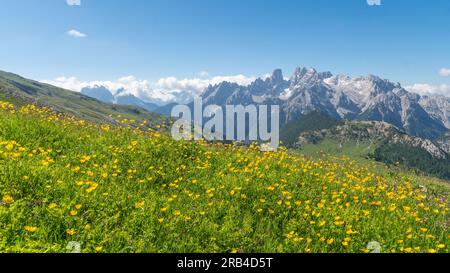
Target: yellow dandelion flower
92, 188
7, 199
30, 229
177, 213
71, 232
139, 205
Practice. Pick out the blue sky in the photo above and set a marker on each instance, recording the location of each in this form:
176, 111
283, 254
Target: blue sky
405, 41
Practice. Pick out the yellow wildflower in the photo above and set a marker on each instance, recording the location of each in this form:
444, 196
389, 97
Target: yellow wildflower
71, 232
139, 205
31, 229
7, 199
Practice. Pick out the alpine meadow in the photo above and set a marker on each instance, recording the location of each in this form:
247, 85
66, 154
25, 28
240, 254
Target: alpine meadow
126, 188
224, 135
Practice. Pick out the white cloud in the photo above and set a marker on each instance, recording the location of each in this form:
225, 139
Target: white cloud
374, 2
72, 83
197, 85
444, 72
429, 89
163, 90
73, 2
76, 33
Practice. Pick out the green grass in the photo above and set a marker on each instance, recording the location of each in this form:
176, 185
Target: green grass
132, 190
329, 146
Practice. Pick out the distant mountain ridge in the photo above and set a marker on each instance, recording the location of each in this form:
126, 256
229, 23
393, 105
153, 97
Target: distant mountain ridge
101, 93
371, 131
122, 97
342, 98
338, 96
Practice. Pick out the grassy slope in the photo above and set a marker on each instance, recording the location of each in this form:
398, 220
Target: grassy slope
119, 190
362, 153
21, 91
410, 158
418, 159
333, 147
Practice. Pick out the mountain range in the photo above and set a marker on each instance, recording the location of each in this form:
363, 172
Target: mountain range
365, 98
342, 98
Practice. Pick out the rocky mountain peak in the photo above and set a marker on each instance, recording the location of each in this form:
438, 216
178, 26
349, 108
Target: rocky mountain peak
100, 93
302, 71
308, 76
380, 85
325, 75
304, 76
277, 76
